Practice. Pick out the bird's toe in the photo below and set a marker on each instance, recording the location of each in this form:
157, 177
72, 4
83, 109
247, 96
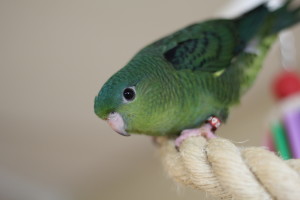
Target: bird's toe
205, 131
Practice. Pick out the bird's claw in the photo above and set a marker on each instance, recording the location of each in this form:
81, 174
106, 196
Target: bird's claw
204, 131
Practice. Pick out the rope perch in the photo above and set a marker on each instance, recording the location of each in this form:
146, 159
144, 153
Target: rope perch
225, 171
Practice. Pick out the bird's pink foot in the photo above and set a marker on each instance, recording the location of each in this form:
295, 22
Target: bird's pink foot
205, 131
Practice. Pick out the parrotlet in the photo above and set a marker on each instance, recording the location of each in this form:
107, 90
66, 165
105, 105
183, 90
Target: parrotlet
177, 83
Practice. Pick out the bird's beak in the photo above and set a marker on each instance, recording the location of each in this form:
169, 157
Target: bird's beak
116, 122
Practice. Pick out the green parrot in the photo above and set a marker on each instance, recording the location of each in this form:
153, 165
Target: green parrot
177, 83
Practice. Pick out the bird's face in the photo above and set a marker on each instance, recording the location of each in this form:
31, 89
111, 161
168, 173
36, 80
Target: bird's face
121, 102
138, 98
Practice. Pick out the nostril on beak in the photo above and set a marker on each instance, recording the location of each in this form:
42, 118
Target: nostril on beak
111, 115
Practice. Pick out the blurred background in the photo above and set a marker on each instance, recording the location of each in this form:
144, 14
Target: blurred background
55, 56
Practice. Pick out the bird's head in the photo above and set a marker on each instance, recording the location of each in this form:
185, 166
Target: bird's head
127, 100
114, 98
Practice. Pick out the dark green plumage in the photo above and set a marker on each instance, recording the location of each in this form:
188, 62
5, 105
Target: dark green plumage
199, 71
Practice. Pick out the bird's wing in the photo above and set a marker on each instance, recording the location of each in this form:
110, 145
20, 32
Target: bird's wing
206, 47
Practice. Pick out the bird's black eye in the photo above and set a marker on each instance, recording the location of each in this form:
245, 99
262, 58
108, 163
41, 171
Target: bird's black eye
129, 94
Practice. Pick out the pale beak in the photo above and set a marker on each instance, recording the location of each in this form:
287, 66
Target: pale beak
116, 122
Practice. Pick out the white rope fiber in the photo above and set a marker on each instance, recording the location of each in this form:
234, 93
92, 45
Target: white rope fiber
225, 171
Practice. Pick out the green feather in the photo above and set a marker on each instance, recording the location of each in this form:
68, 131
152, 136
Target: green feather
199, 71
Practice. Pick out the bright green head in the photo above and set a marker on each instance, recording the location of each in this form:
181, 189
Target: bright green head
130, 99
117, 92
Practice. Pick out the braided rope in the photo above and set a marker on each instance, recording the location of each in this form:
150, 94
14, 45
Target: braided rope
225, 171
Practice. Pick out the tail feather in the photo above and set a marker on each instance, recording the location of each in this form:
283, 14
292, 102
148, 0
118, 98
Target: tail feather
249, 23
260, 25
262, 22
285, 17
